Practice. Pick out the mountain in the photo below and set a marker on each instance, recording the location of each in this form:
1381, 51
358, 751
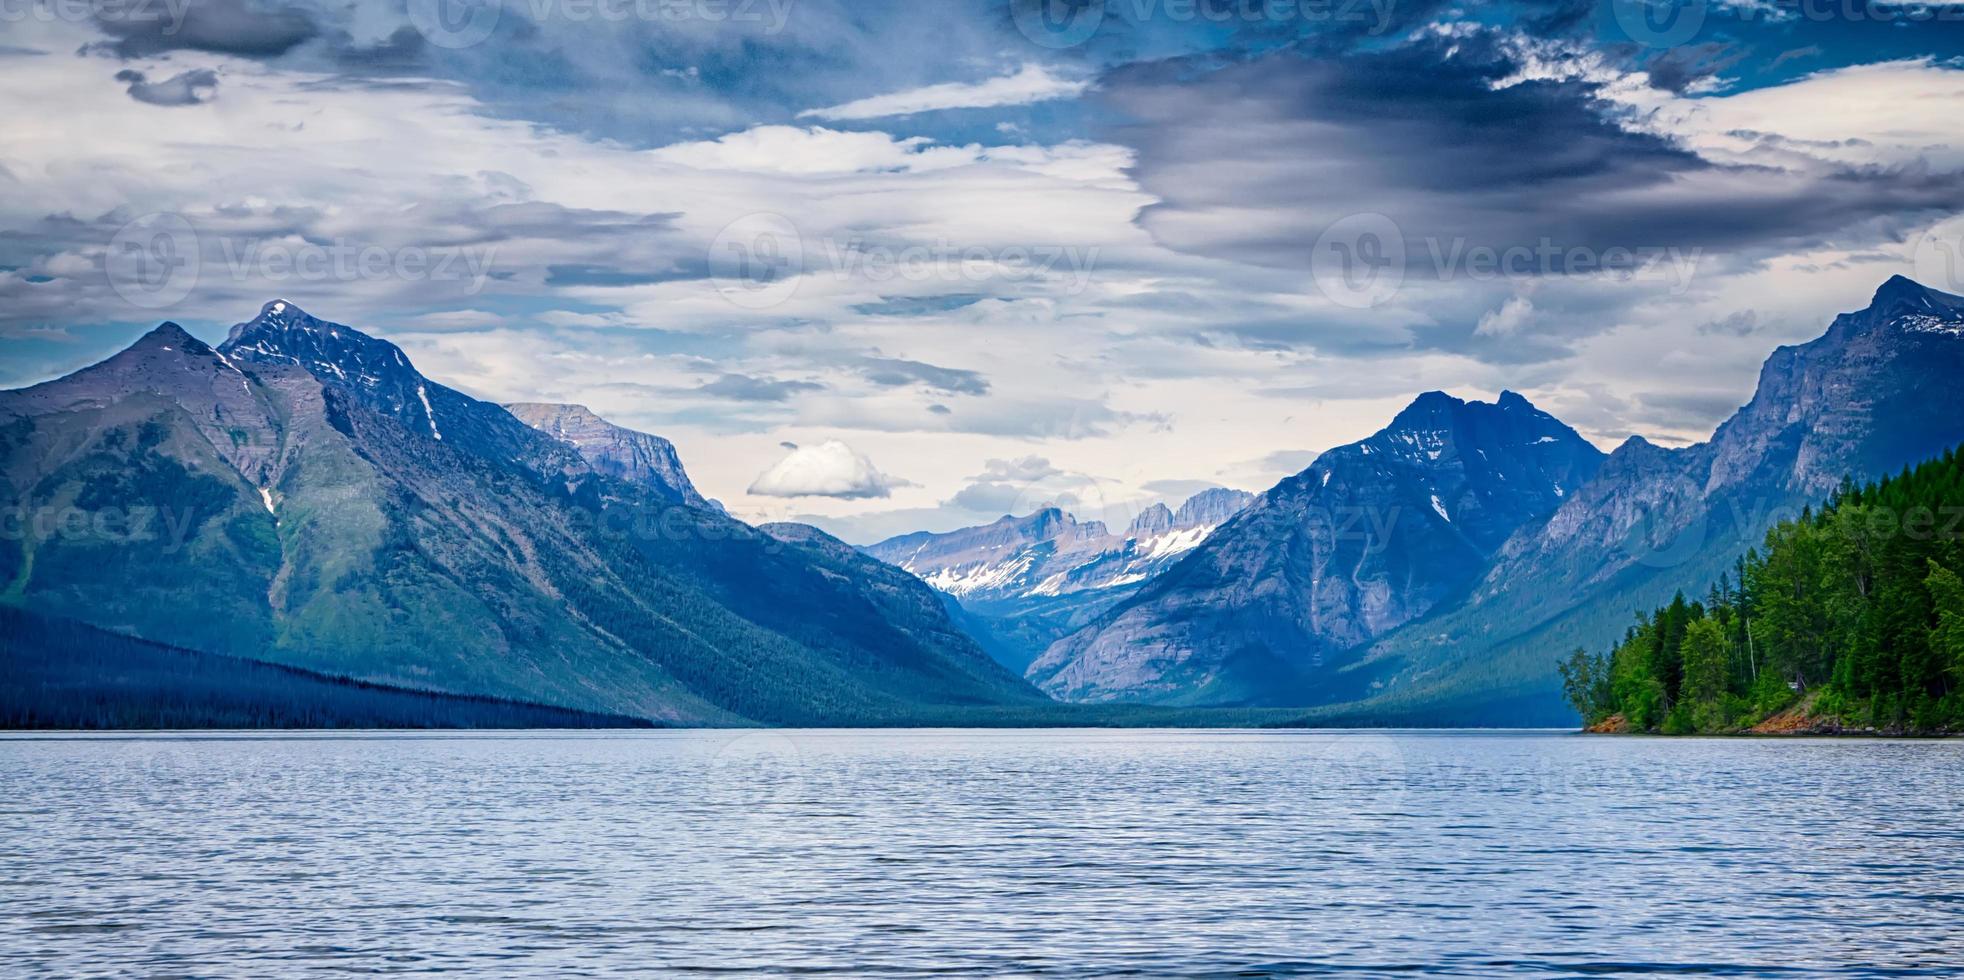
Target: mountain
1022, 582
302, 495
63, 675
1876, 393
1371, 536
1049, 553
618, 452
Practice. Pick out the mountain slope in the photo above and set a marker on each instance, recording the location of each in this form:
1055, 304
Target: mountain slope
1877, 392
1371, 536
317, 502
62, 675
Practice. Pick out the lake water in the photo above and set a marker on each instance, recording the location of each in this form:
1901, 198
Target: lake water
904, 854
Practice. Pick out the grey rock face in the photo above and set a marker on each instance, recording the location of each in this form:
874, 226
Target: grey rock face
1369, 537
612, 449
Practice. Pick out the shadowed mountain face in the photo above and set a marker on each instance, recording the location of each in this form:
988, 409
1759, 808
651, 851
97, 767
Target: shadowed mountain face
302, 495
1368, 538
1878, 392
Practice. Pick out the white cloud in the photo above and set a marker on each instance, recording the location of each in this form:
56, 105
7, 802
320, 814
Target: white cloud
817, 150
829, 469
1034, 83
1506, 321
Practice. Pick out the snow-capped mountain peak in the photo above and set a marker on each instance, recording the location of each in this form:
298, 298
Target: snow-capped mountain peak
1051, 553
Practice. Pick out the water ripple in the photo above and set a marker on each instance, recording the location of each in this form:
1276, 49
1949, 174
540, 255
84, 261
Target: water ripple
932, 854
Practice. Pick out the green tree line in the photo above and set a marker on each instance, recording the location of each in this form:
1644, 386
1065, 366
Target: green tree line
1856, 608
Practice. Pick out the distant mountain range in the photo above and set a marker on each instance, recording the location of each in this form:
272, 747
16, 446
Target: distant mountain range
301, 496
1023, 581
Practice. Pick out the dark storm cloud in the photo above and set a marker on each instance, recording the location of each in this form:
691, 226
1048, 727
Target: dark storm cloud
192, 87
1677, 69
235, 27
744, 388
1251, 162
894, 373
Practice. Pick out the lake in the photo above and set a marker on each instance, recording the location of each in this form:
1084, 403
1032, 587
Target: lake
1022, 853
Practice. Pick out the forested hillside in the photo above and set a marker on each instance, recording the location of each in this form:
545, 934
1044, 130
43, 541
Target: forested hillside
1849, 617
56, 674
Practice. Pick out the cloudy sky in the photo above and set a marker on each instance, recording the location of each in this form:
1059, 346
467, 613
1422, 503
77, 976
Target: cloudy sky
891, 266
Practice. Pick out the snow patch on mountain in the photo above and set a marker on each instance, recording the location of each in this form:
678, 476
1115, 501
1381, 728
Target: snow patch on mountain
1050, 553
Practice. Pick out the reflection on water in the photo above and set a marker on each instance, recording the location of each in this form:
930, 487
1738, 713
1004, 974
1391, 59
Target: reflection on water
905, 854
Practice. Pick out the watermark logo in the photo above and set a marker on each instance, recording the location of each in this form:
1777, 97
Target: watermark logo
1362, 260
756, 260
464, 23
153, 261
1359, 261
166, 529
157, 260
1058, 24
759, 261
753, 772
1657, 540
1659, 23
1367, 768
169, 14
1939, 258
455, 24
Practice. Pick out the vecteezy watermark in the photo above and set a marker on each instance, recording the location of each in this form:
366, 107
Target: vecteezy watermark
463, 23
166, 527
1669, 23
759, 260
1939, 258
352, 262
1663, 535
169, 13
153, 261
674, 523
1068, 23
1659, 23
756, 260
1363, 260
156, 261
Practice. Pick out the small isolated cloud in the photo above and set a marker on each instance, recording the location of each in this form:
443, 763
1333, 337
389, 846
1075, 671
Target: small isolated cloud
744, 388
1506, 321
829, 469
1033, 83
192, 87
798, 151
